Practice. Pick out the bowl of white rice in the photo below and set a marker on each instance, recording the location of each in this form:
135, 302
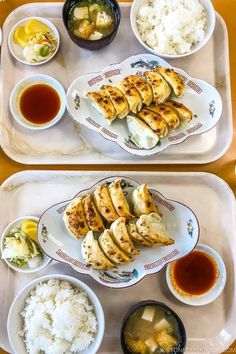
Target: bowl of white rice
172, 28
56, 314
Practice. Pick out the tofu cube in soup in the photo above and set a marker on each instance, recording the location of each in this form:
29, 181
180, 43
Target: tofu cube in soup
81, 13
103, 20
148, 313
151, 344
85, 29
162, 324
95, 36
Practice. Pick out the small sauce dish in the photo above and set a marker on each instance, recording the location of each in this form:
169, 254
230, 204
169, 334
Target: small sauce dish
197, 279
38, 102
17, 224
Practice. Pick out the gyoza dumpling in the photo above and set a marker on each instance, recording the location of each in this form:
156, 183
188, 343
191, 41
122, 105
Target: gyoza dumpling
104, 204
167, 113
118, 99
141, 134
131, 94
160, 88
92, 216
137, 237
103, 104
155, 122
152, 228
142, 201
93, 255
121, 237
143, 88
111, 250
173, 79
118, 199
183, 112
74, 218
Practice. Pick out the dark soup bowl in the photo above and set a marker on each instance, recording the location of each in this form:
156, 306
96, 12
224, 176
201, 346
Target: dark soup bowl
152, 327
88, 43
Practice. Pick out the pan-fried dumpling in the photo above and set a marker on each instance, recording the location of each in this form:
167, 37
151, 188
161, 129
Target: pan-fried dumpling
92, 216
121, 237
74, 218
160, 88
141, 134
137, 237
152, 228
111, 250
142, 201
118, 199
104, 204
103, 104
131, 94
173, 79
185, 115
155, 122
118, 99
142, 87
93, 255
167, 113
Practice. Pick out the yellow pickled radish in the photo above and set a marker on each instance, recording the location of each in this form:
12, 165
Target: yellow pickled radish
29, 227
21, 37
32, 233
35, 26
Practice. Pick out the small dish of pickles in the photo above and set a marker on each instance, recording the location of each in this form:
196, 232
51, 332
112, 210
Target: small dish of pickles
91, 24
19, 246
150, 327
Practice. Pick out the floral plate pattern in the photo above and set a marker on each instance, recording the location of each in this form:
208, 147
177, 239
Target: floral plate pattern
202, 98
181, 223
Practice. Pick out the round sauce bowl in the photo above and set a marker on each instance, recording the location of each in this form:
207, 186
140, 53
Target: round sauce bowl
197, 279
38, 102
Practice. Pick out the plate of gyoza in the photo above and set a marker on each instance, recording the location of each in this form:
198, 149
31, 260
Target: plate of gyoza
118, 231
144, 104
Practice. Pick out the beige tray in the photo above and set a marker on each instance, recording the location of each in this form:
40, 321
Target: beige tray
71, 143
211, 328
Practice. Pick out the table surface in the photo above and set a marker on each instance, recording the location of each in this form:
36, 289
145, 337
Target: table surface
224, 167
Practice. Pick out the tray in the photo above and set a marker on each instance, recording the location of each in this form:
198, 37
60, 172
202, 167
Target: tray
213, 328
80, 145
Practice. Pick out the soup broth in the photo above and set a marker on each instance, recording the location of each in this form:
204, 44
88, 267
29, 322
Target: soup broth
151, 329
92, 20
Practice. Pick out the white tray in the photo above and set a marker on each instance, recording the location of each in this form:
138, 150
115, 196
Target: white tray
211, 328
71, 143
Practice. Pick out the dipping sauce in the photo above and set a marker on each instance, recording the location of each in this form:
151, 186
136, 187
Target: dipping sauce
194, 274
39, 103
151, 329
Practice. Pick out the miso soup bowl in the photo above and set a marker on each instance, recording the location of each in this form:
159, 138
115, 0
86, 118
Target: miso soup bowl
179, 349
85, 43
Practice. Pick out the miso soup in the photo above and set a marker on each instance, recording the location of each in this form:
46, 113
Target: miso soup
92, 19
151, 330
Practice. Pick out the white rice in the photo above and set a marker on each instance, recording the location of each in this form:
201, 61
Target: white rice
172, 26
58, 319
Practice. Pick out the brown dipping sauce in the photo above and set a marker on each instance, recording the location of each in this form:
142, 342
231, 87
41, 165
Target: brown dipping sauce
195, 274
39, 103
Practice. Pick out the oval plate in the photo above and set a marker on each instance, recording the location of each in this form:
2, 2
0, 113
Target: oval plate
202, 98
181, 223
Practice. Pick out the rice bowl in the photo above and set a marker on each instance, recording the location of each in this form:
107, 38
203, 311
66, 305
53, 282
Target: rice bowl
56, 314
172, 29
